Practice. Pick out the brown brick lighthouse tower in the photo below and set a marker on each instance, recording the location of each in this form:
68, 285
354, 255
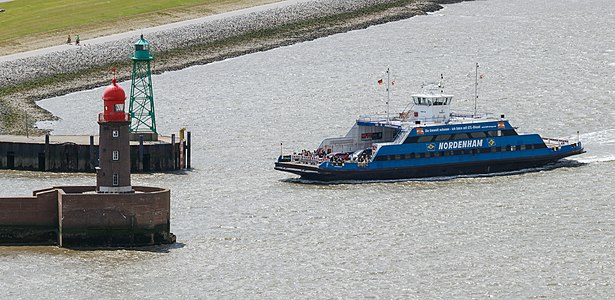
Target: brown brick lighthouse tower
113, 171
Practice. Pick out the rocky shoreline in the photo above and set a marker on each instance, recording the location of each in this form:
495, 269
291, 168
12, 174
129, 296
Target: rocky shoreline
25, 81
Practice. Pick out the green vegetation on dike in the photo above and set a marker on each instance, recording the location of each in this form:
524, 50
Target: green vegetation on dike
26, 18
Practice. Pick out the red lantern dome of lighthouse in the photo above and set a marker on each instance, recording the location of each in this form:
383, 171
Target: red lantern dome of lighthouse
114, 98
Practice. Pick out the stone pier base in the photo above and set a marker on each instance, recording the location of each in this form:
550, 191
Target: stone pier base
76, 216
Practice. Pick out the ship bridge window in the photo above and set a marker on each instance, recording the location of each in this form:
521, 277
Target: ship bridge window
439, 101
424, 101
509, 132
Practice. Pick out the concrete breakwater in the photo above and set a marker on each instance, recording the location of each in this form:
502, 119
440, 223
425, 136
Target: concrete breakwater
23, 81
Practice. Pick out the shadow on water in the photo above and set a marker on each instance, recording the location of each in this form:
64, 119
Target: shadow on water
564, 163
166, 248
14, 251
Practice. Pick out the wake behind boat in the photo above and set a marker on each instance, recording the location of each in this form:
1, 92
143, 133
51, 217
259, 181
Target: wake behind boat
428, 140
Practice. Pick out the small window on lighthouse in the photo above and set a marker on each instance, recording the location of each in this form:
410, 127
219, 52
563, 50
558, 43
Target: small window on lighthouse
116, 180
116, 133
116, 155
119, 108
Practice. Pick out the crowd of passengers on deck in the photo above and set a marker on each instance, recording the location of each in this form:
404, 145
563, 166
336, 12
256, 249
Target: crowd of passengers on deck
337, 159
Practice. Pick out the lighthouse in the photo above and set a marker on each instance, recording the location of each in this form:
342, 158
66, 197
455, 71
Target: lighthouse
141, 107
111, 214
113, 171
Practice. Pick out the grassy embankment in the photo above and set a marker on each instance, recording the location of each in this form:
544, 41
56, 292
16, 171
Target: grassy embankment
30, 24
204, 53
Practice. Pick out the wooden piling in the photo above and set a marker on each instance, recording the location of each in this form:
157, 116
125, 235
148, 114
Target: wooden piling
47, 156
91, 161
140, 162
173, 154
189, 150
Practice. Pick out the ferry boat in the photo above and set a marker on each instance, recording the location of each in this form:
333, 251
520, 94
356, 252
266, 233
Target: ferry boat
428, 140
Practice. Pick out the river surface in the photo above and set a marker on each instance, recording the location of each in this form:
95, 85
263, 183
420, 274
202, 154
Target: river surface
246, 231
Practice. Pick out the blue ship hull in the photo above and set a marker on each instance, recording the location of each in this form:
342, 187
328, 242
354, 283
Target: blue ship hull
423, 171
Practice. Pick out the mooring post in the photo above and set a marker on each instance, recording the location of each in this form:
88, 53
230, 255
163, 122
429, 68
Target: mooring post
183, 154
173, 155
91, 152
140, 162
189, 149
27, 133
47, 156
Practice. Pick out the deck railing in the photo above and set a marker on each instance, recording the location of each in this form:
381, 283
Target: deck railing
555, 142
310, 160
468, 115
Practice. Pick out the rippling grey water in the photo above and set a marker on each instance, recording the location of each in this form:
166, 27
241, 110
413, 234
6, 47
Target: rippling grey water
246, 231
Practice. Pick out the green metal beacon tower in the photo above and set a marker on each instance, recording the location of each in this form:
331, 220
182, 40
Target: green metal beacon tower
141, 107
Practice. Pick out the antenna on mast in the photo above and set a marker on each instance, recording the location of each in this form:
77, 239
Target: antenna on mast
475, 89
441, 84
388, 94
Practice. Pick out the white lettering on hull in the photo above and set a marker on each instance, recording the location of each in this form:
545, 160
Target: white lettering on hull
460, 144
